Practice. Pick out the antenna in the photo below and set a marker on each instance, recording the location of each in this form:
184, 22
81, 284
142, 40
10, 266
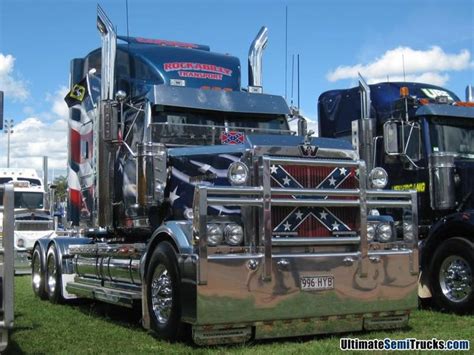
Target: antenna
286, 52
292, 77
298, 57
403, 62
126, 9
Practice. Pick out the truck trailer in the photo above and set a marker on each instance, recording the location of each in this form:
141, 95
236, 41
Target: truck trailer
192, 198
422, 135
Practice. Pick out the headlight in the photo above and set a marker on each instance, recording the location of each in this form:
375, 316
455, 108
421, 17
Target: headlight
378, 178
234, 234
384, 232
214, 234
238, 173
408, 234
370, 232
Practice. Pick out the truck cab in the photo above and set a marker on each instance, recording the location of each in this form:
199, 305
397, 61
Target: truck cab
192, 197
423, 137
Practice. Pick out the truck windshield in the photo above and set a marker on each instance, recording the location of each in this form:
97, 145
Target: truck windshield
30, 200
452, 135
184, 128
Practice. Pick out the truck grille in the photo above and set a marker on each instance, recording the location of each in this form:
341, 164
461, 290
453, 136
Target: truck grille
314, 221
33, 225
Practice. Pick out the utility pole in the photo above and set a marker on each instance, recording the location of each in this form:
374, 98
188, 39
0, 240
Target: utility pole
8, 129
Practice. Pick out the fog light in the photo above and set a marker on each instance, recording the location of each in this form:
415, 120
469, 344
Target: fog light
234, 234
238, 173
370, 232
20, 243
378, 178
188, 213
408, 234
384, 232
214, 234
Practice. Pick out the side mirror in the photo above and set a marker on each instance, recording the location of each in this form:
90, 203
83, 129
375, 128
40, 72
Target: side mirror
390, 134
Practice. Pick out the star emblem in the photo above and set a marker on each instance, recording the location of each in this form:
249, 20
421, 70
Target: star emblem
173, 195
287, 226
273, 169
286, 181
343, 171
323, 215
299, 214
192, 136
332, 181
335, 226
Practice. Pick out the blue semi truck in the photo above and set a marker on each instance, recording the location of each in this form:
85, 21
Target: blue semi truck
423, 136
192, 198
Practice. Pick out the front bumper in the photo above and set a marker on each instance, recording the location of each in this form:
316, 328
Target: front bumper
373, 288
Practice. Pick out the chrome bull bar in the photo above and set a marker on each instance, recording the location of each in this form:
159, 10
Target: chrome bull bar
263, 197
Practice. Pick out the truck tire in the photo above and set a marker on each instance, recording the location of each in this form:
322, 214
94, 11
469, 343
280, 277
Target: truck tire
38, 275
452, 276
163, 293
53, 276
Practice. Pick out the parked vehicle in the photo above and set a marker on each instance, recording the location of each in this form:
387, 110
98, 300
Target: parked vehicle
195, 199
32, 218
423, 136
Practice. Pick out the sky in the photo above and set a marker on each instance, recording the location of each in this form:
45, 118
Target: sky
335, 40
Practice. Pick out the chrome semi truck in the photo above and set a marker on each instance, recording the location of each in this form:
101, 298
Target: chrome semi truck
422, 135
192, 198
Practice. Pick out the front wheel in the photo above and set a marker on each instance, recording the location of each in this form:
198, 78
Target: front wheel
452, 273
53, 275
38, 275
163, 293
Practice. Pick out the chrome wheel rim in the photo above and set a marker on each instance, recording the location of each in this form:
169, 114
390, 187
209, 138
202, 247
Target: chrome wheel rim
51, 273
36, 272
455, 278
161, 294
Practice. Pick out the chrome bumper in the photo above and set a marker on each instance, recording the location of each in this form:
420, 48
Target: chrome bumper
251, 288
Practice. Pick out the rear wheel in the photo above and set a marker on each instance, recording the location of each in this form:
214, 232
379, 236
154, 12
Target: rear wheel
452, 276
53, 275
163, 293
38, 275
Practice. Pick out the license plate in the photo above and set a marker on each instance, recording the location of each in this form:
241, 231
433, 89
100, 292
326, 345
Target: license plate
317, 283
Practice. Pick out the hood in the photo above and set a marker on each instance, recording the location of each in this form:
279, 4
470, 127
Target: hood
209, 164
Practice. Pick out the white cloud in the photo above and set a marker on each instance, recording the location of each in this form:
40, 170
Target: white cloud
14, 88
36, 136
60, 108
420, 65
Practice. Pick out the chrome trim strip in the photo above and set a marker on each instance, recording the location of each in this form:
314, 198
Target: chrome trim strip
313, 162
388, 204
316, 241
267, 219
364, 265
202, 228
318, 192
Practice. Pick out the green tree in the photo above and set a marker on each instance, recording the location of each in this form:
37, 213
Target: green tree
61, 188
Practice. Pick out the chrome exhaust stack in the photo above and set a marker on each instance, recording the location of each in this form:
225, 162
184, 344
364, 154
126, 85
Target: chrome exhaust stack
106, 125
255, 61
363, 130
469, 93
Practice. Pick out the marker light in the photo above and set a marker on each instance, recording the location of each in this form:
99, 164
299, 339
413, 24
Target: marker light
378, 178
238, 173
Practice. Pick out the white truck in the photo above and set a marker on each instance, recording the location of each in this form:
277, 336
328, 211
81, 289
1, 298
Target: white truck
32, 219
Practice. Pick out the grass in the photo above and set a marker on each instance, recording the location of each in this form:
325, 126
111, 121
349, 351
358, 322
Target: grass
91, 327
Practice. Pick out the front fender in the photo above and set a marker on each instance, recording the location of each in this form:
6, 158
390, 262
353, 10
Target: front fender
177, 232
458, 224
